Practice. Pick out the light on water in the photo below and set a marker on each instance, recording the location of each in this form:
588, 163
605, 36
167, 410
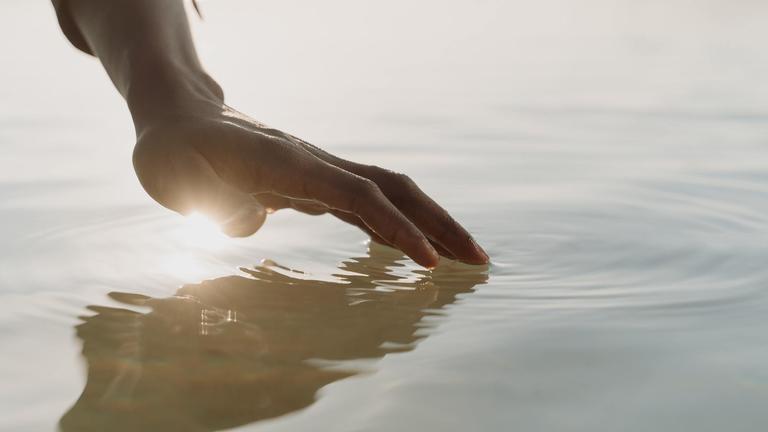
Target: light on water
198, 231
182, 265
192, 240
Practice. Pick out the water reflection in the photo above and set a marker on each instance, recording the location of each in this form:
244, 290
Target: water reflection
235, 350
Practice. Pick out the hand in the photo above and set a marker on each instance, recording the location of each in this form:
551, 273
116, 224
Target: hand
236, 170
195, 153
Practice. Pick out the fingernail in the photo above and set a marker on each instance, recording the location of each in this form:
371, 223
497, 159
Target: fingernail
434, 256
480, 250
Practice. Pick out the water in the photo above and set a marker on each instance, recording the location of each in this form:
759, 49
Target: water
610, 156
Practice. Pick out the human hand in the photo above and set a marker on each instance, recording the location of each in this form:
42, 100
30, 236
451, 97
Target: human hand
235, 170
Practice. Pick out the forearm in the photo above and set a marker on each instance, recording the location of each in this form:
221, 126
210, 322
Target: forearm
147, 50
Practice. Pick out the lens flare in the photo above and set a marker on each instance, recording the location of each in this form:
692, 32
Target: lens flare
200, 232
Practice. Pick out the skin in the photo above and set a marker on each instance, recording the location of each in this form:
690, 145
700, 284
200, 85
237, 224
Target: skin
195, 153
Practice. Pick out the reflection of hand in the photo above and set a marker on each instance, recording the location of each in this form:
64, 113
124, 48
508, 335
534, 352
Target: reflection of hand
222, 163
235, 350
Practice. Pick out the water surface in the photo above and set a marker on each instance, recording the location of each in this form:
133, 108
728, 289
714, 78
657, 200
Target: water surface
610, 156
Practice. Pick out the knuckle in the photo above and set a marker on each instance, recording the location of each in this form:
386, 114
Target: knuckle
400, 187
365, 187
361, 191
376, 170
404, 181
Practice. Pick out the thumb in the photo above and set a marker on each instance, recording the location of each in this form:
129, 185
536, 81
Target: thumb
185, 182
238, 213
246, 220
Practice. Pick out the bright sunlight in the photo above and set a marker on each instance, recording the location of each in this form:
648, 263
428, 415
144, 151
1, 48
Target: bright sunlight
200, 232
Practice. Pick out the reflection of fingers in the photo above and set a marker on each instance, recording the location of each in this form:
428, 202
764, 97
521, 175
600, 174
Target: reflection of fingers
341, 190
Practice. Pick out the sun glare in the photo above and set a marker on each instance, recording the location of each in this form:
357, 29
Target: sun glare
201, 232
195, 237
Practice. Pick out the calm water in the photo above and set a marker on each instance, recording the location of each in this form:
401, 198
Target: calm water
610, 155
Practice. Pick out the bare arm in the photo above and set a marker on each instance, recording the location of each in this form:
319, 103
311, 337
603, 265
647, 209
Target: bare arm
147, 50
194, 153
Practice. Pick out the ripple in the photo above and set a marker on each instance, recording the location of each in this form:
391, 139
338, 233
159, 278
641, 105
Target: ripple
683, 246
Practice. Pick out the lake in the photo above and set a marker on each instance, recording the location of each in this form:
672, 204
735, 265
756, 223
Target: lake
611, 157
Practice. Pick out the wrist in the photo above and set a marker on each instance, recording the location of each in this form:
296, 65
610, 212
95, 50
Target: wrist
160, 91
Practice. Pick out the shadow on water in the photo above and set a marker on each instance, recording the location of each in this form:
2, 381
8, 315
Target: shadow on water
235, 350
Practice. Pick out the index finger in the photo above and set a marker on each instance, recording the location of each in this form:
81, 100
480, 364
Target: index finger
348, 192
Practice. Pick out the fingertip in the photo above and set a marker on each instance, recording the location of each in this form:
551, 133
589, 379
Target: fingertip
429, 258
481, 254
476, 260
473, 254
